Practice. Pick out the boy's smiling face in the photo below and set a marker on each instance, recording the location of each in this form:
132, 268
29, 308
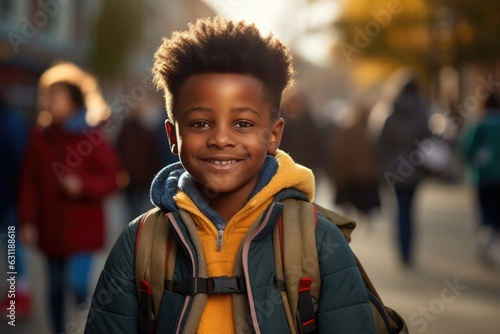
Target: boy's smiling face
223, 131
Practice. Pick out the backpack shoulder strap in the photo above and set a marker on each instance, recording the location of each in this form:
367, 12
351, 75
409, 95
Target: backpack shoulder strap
154, 253
297, 266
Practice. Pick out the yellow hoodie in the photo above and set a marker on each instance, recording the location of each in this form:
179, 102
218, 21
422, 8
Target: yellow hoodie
217, 316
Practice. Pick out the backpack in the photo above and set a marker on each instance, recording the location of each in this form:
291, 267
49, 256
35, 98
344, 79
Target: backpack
299, 282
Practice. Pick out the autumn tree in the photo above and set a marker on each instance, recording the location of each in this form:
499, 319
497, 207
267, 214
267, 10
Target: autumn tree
423, 34
116, 30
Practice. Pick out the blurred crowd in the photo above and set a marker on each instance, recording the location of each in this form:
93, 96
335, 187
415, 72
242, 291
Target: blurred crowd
56, 175
365, 147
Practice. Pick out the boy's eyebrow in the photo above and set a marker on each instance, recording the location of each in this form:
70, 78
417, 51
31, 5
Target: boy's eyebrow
200, 108
243, 109
207, 109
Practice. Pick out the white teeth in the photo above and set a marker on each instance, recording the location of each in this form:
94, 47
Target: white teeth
224, 162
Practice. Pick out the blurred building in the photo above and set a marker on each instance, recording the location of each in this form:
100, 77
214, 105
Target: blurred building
34, 34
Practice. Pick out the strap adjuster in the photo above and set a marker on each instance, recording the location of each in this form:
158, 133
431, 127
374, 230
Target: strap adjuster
146, 318
305, 308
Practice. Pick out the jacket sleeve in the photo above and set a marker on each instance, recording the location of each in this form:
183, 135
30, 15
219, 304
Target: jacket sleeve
114, 305
344, 302
101, 175
466, 143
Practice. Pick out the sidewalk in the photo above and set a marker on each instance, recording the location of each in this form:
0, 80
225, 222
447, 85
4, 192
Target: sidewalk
448, 290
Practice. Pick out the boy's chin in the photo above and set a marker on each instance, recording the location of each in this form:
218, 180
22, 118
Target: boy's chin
214, 189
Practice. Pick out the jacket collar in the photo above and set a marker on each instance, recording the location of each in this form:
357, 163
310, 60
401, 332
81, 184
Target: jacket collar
277, 174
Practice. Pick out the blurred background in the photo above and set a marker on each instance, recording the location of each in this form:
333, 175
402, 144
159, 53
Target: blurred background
422, 233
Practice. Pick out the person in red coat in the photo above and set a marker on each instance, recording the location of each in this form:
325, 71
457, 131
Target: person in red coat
68, 170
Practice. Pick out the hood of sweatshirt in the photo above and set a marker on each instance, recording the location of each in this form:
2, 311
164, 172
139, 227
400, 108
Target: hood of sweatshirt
173, 187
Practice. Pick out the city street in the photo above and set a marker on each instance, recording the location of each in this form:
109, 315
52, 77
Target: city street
368, 90
446, 291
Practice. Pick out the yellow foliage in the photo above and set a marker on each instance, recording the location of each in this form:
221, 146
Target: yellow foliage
372, 72
360, 10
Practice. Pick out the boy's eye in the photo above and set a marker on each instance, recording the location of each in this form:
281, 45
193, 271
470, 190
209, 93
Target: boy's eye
243, 124
199, 124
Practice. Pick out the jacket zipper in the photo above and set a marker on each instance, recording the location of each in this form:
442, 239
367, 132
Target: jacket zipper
218, 245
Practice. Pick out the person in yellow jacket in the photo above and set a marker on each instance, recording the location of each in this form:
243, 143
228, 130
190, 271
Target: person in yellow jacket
223, 83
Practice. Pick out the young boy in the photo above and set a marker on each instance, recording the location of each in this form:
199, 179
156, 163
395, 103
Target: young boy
223, 83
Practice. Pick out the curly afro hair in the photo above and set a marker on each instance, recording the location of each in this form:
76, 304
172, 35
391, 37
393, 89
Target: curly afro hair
218, 45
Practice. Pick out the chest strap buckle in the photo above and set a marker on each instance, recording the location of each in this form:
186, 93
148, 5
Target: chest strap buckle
211, 285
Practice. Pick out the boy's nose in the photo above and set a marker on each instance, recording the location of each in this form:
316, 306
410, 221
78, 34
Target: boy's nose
221, 137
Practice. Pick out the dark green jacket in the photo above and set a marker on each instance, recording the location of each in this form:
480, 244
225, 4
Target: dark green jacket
343, 306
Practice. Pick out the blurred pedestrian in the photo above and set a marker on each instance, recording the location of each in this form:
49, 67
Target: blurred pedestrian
13, 133
352, 164
140, 152
480, 148
402, 120
67, 171
302, 138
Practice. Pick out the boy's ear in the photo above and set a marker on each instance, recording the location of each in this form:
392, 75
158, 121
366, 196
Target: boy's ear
276, 132
172, 137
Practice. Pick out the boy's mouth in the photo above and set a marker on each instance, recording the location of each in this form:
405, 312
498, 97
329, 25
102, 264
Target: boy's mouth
222, 162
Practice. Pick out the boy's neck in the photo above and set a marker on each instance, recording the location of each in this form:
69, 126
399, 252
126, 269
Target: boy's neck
226, 210
227, 205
